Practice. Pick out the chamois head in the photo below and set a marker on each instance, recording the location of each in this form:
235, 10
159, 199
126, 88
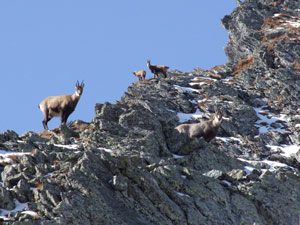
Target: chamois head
218, 116
79, 88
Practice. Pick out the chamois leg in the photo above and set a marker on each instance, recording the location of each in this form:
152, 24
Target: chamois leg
45, 120
45, 124
64, 118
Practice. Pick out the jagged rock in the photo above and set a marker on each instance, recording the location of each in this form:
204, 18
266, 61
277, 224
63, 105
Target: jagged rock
120, 183
236, 174
22, 191
6, 199
216, 174
32, 137
9, 135
10, 176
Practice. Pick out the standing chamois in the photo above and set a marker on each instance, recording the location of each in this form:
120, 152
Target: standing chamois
141, 74
157, 69
60, 106
207, 129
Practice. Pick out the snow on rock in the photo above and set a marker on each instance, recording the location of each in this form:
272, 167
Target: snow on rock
229, 139
204, 81
227, 183
248, 169
267, 121
72, 146
19, 207
105, 149
7, 156
183, 117
186, 89
182, 194
286, 150
272, 165
31, 213
177, 156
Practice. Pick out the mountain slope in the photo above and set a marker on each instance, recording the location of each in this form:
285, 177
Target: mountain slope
129, 165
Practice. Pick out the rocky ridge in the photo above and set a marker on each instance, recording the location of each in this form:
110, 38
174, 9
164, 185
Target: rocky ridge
129, 165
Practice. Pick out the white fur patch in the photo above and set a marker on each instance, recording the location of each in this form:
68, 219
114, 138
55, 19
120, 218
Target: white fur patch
216, 120
77, 94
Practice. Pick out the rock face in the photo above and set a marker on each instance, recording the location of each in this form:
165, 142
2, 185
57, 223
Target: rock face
130, 166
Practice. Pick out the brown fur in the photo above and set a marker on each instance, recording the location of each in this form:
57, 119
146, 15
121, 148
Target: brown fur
141, 74
207, 129
157, 69
60, 106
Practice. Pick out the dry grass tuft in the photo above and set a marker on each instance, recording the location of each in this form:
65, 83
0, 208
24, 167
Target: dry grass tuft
45, 134
38, 185
243, 64
296, 66
203, 102
281, 21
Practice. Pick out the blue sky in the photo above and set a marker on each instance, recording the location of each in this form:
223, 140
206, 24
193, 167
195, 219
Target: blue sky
45, 46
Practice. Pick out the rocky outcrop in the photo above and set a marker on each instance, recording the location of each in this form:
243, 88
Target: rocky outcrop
130, 166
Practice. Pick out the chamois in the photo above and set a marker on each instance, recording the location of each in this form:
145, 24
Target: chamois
157, 69
207, 129
60, 106
141, 74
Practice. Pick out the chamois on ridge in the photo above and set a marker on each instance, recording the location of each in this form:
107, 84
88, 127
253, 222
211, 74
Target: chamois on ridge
60, 106
157, 69
207, 129
141, 74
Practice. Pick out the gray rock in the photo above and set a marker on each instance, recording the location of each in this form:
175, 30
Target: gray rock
6, 199
9, 135
216, 174
120, 183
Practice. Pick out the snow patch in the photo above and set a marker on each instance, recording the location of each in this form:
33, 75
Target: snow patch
186, 89
287, 150
266, 120
272, 164
19, 207
72, 146
294, 24
177, 156
5, 156
248, 169
105, 149
227, 182
182, 194
183, 117
229, 139
204, 78
31, 213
